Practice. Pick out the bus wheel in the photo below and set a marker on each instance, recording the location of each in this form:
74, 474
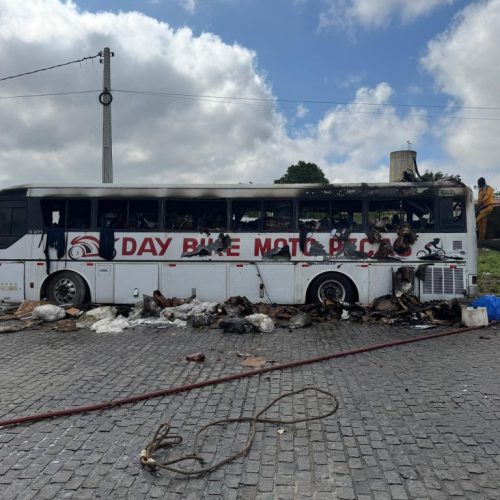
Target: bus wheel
332, 286
67, 288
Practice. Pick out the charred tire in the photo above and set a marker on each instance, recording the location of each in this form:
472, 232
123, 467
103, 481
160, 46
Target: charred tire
66, 288
333, 286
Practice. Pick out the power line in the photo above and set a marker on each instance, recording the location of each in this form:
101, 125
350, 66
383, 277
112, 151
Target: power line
49, 94
50, 67
266, 102
299, 101
259, 102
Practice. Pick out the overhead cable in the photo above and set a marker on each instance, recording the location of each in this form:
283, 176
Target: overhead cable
50, 94
298, 101
50, 67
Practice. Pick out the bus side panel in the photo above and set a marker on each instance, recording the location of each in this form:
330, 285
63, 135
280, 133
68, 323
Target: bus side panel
132, 281
11, 281
244, 281
263, 281
206, 279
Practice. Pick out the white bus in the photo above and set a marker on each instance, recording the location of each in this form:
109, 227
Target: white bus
286, 244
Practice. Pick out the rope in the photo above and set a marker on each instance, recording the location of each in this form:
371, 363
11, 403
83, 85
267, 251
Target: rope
163, 439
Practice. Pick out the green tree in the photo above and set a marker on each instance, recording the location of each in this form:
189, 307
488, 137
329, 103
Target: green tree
303, 172
432, 176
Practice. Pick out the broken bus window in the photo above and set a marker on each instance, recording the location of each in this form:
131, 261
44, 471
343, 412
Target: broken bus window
388, 215
262, 215
326, 215
195, 215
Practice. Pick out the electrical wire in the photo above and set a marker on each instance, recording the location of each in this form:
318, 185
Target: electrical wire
88, 58
50, 94
272, 102
300, 101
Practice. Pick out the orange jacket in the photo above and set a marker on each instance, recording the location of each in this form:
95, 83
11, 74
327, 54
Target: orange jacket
485, 197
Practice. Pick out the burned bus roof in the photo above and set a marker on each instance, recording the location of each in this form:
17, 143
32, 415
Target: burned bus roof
311, 191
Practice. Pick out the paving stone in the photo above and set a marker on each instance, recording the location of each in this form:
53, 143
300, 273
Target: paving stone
404, 429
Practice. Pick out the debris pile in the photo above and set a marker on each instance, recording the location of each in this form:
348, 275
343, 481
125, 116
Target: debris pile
235, 315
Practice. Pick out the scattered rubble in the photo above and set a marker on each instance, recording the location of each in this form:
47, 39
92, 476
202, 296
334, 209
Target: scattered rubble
197, 357
238, 314
253, 362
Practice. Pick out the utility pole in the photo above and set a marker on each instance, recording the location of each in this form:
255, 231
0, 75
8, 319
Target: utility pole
105, 98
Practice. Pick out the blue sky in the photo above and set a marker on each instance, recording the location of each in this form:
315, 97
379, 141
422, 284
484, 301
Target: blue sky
398, 57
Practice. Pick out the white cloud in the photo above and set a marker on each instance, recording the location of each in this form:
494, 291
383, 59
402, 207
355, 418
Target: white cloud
374, 13
188, 5
166, 139
464, 62
301, 111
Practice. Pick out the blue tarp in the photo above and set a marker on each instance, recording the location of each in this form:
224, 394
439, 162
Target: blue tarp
492, 304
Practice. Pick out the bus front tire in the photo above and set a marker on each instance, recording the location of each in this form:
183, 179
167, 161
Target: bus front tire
332, 286
66, 288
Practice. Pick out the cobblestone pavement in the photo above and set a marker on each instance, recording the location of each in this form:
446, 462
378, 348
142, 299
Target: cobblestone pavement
415, 421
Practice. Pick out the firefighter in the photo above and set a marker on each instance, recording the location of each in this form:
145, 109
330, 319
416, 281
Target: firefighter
485, 201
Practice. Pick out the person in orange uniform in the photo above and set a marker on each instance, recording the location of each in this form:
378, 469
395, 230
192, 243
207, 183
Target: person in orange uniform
485, 200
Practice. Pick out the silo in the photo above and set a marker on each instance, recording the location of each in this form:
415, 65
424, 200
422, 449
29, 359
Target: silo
402, 161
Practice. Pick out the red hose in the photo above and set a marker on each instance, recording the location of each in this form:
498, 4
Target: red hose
227, 378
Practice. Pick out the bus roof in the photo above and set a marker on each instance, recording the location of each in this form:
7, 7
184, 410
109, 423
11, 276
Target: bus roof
98, 190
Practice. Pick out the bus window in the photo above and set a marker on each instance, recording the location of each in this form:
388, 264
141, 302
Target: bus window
246, 215
12, 218
347, 214
111, 213
142, 214
277, 215
78, 214
388, 215
54, 212
452, 214
315, 215
195, 215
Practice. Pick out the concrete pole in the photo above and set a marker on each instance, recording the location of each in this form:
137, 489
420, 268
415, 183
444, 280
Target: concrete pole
105, 99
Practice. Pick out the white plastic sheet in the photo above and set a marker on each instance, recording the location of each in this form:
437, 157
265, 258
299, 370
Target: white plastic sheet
48, 312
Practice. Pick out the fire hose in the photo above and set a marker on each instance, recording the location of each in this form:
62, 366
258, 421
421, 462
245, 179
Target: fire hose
227, 378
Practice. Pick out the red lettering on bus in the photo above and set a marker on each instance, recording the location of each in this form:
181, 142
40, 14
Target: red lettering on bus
163, 245
307, 245
147, 246
261, 248
362, 244
189, 245
129, 246
280, 243
294, 242
336, 245
234, 249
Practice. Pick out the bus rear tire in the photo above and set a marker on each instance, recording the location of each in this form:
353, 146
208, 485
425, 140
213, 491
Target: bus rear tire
332, 286
66, 288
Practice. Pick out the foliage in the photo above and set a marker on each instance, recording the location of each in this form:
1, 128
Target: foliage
303, 172
432, 176
488, 271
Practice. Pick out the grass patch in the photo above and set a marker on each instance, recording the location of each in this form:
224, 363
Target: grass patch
488, 267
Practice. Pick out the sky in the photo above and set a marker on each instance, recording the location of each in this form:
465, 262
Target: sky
229, 91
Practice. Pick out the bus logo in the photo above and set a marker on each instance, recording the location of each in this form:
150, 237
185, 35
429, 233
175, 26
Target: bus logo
83, 246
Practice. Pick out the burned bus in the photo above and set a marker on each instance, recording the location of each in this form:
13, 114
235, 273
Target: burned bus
286, 244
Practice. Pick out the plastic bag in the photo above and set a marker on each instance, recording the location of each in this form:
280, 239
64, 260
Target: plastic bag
262, 322
300, 320
90, 317
48, 312
492, 304
107, 325
237, 325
